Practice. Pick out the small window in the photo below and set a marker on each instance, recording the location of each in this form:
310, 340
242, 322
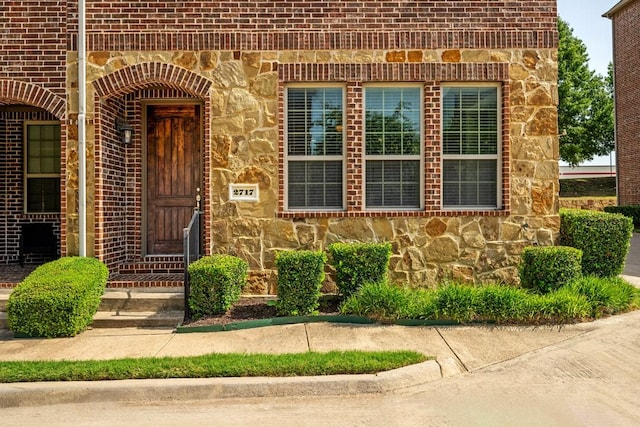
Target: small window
393, 138
470, 147
315, 155
42, 167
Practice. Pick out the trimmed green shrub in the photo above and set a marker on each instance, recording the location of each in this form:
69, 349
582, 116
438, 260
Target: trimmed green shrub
605, 295
604, 239
58, 299
379, 301
631, 211
216, 284
300, 277
359, 263
546, 268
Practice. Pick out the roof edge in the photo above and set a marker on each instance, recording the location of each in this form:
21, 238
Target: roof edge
615, 9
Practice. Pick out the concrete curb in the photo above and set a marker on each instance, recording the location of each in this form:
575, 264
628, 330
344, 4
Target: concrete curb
177, 389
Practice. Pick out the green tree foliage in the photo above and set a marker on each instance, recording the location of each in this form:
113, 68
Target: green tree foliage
585, 110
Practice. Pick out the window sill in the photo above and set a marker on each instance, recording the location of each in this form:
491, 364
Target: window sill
393, 214
41, 215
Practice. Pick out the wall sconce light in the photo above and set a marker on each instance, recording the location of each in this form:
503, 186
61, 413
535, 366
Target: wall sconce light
125, 129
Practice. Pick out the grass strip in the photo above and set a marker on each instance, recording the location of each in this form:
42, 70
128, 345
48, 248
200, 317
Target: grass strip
210, 365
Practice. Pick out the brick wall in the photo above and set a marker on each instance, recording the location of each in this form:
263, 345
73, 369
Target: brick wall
33, 43
12, 188
627, 80
310, 24
213, 50
118, 16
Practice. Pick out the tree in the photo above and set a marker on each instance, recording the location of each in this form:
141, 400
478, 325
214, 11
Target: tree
585, 109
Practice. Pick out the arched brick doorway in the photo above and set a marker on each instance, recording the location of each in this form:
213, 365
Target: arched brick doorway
129, 221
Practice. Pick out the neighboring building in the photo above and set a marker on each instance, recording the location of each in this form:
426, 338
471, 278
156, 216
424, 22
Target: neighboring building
626, 65
428, 124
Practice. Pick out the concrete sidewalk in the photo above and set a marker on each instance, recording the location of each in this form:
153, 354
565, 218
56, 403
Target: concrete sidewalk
457, 349
471, 347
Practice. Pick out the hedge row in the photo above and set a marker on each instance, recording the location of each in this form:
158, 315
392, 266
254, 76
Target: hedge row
217, 281
631, 211
301, 273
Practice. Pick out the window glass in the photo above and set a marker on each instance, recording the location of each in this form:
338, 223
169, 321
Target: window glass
469, 183
42, 168
315, 184
470, 143
315, 117
393, 147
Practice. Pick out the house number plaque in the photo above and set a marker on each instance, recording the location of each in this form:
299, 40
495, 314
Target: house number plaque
243, 192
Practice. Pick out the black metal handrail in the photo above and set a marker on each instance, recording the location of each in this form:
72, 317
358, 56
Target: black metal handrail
192, 252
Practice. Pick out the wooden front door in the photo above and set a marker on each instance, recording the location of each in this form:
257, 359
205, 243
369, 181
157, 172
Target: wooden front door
173, 174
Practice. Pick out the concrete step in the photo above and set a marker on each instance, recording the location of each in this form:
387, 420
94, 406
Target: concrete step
142, 300
139, 299
129, 319
133, 307
137, 319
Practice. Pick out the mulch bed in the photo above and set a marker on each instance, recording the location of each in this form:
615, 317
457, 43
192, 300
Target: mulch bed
255, 308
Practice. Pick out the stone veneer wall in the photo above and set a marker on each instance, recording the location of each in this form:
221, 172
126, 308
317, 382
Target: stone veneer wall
592, 204
247, 51
245, 147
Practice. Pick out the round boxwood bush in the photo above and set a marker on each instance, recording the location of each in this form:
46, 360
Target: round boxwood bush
546, 268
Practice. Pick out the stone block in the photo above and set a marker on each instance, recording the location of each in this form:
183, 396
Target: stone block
396, 56
451, 56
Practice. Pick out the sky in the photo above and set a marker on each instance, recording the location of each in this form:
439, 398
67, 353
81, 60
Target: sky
585, 17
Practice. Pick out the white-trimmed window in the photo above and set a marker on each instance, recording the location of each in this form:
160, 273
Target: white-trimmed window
393, 152
42, 167
471, 132
315, 147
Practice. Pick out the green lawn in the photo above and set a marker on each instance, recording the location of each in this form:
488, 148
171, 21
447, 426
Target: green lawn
211, 365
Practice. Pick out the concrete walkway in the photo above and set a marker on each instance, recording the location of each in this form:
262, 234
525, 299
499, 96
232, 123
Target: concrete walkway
456, 350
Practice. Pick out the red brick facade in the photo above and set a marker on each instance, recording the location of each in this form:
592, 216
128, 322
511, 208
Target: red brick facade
33, 48
626, 32
118, 16
34, 44
188, 51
